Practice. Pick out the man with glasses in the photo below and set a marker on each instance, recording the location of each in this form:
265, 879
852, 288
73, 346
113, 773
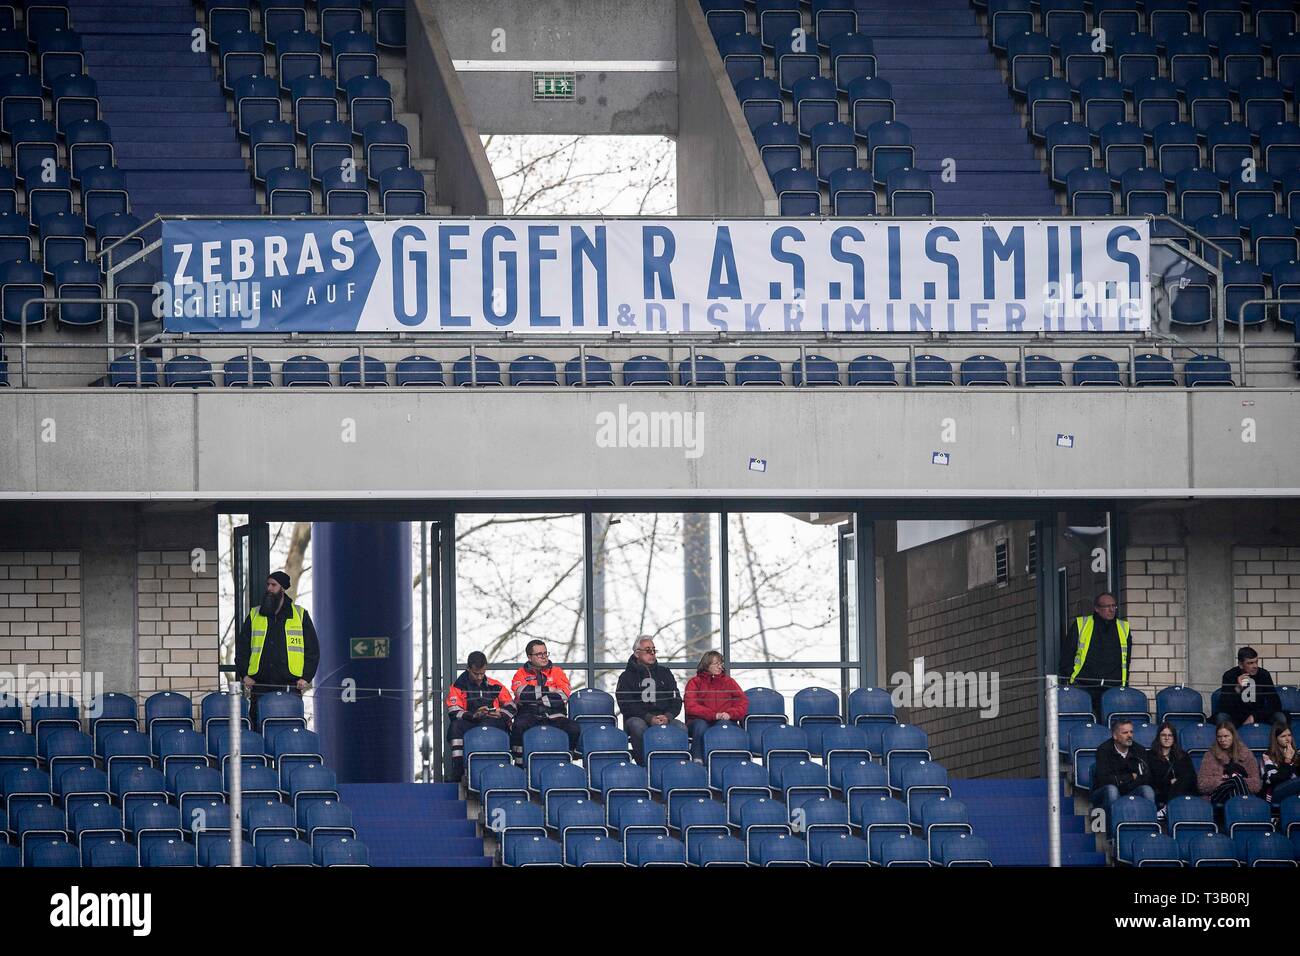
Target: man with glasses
541, 692
647, 695
474, 700
1095, 652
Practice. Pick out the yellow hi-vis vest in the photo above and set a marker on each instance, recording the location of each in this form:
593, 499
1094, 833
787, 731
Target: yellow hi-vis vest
292, 640
1084, 625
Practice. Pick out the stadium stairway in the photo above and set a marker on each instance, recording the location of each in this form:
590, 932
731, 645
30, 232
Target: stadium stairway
1012, 816
414, 824
951, 92
172, 136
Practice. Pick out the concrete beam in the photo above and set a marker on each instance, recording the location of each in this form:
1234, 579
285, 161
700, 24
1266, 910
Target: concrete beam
526, 443
463, 176
719, 170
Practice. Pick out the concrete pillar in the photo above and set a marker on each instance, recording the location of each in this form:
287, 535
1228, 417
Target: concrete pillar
1210, 644
108, 596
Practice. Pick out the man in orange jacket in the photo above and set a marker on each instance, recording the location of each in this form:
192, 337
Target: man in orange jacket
474, 700
541, 692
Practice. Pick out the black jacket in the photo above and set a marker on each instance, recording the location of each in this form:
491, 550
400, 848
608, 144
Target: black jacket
632, 687
274, 668
1104, 661
1127, 773
1172, 778
1266, 702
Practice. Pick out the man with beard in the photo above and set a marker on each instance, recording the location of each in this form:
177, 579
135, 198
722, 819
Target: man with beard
277, 647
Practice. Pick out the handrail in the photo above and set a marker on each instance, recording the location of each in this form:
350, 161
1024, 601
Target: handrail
23, 343
131, 235
1241, 329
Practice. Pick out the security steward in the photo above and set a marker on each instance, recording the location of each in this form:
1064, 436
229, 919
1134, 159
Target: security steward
475, 700
277, 649
1095, 652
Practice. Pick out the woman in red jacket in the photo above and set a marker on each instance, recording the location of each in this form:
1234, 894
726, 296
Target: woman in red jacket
712, 696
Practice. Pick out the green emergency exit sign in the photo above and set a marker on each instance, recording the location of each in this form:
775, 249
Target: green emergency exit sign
368, 648
554, 86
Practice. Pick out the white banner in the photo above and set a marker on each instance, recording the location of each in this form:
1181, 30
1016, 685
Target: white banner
656, 276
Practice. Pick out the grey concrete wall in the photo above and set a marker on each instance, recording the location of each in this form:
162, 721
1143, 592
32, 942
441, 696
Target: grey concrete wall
447, 131
559, 32
719, 170
828, 443
109, 537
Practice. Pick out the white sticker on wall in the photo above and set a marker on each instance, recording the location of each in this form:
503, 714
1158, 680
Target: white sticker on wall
939, 458
1064, 441
758, 464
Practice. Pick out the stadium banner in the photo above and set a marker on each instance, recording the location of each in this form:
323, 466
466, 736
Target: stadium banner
654, 275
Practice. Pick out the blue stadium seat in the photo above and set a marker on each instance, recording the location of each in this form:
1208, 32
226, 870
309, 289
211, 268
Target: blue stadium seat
1263, 103
532, 370
646, 370
20, 283
816, 100
1272, 241
354, 54
717, 850
370, 100
909, 191
742, 56
795, 56
871, 100
1156, 102
1096, 370
1188, 57
1081, 64
725, 744
1007, 19
1136, 58
418, 370
1154, 849
77, 279
350, 372
928, 370
1209, 849
1069, 147
1150, 369
273, 146
1029, 56
329, 146
1142, 192
797, 191
349, 852
188, 371
482, 373
297, 54
390, 23
1123, 147
401, 191
778, 145
777, 17
852, 193
1264, 848
1202, 370
280, 16
760, 100
1103, 102
695, 371
111, 853
344, 196
305, 370
852, 58
833, 148
241, 55
257, 99
1088, 191
758, 370
1243, 282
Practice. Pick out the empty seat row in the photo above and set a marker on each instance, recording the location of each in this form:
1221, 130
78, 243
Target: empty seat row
191, 370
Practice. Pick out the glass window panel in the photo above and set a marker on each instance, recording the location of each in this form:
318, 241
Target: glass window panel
784, 588
519, 578
655, 574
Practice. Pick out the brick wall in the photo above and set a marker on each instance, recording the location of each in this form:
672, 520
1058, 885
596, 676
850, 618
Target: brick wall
1154, 602
178, 624
987, 628
1266, 607
40, 612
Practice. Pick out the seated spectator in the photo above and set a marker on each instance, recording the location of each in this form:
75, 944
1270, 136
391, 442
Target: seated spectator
1281, 774
1228, 769
1172, 773
541, 692
1248, 695
1122, 768
711, 696
647, 695
474, 700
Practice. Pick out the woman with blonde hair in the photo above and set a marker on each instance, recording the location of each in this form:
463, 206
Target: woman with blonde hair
711, 696
1228, 769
